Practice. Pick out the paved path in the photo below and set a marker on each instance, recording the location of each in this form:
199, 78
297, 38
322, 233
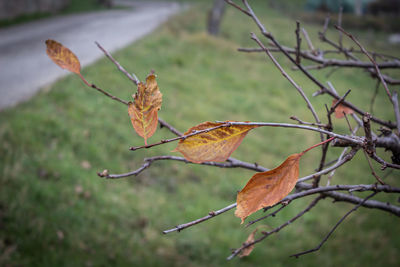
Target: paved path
25, 67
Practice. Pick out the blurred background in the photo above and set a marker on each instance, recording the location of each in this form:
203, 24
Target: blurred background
56, 133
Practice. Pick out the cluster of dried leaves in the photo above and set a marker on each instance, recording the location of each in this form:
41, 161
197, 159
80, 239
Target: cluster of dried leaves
208, 141
212, 142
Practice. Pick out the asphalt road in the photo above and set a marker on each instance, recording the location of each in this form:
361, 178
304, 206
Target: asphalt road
25, 67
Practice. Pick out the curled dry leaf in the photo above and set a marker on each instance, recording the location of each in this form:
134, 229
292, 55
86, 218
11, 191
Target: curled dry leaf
144, 110
246, 251
215, 145
62, 56
340, 110
268, 188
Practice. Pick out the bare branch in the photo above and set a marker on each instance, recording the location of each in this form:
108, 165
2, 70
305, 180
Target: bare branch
395, 102
307, 123
334, 228
372, 169
272, 214
328, 62
340, 25
133, 78
309, 43
370, 58
299, 89
266, 234
230, 163
298, 42
347, 157
108, 94
338, 102
311, 77
210, 215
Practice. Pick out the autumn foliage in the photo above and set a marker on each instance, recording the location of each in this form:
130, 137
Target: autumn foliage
144, 110
212, 143
208, 141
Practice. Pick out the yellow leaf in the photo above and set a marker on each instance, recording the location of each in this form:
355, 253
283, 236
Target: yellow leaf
215, 145
144, 110
246, 251
267, 188
62, 56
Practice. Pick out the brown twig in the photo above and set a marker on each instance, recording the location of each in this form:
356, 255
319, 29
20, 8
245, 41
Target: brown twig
334, 228
108, 94
260, 124
210, 215
133, 78
371, 108
272, 214
309, 43
298, 88
307, 123
230, 163
268, 35
340, 25
370, 58
338, 102
372, 169
298, 42
395, 102
276, 230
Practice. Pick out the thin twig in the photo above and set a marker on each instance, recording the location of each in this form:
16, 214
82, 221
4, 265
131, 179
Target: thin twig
370, 58
338, 102
372, 169
345, 159
384, 163
371, 108
272, 214
395, 102
334, 228
109, 95
340, 25
268, 35
307, 123
230, 163
298, 88
353, 140
298, 42
210, 215
266, 234
309, 43
133, 78
327, 62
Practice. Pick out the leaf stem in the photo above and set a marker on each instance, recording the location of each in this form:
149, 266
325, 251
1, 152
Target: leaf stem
321, 143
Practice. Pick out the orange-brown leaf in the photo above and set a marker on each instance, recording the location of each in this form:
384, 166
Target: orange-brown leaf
144, 110
246, 251
215, 145
340, 110
267, 188
62, 56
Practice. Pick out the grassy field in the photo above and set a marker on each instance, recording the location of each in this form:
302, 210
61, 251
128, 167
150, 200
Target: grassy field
55, 211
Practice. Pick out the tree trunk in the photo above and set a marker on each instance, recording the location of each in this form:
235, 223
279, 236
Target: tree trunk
215, 17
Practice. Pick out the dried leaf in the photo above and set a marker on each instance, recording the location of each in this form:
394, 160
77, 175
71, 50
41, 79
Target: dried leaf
144, 111
62, 56
215, 145
267, 188
246, 251
340, 110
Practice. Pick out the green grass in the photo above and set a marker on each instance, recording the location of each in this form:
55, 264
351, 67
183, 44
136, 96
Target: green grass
55, 211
